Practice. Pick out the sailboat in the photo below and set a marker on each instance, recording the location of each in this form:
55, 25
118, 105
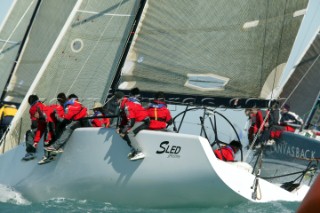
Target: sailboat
302, 93
202, 54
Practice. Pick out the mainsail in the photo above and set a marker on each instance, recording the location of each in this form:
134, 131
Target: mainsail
84, 58
12, 34
213, 48
46, 26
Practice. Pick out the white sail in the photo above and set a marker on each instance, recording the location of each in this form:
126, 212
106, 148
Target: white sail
302, 89
12, 34
309, 31
46, 26
83, 59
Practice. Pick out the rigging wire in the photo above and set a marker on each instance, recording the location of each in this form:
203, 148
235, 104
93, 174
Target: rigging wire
304, 75
94, 47
15, 28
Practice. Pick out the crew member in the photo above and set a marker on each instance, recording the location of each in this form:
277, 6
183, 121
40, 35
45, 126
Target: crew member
74, 112
159, 114
98, 112
227, 153
7, 112
134, 119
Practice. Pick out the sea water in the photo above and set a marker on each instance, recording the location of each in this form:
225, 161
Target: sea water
12, 201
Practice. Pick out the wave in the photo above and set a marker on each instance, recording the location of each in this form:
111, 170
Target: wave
9, 195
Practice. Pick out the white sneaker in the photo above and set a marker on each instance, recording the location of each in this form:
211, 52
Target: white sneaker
138, 156
270, 142
132, 153
58, 151
258, 146
45, 160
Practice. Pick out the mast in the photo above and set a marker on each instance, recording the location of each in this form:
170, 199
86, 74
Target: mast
116, 79
21, 46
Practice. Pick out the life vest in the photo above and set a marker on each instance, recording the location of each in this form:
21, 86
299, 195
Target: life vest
226, 153
159, 115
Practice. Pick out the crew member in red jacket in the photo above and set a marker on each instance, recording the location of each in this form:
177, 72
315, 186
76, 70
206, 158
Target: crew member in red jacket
98, 112
158, 112
74, 112
58, 114
41, 119
256, 123
227, 153
135, 118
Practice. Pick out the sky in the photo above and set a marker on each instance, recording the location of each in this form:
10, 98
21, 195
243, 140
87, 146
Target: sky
4, 7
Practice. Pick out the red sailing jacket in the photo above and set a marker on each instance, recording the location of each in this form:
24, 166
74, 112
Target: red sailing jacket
257, 121
33, 109
133, 109
74, 110
159, 115
46, 114
123, 115
227, 153
59, 109
100, 122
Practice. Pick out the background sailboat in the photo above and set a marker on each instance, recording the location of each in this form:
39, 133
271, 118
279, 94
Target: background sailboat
43, 31
12, 34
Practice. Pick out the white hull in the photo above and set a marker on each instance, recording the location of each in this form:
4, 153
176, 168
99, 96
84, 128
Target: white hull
95, 166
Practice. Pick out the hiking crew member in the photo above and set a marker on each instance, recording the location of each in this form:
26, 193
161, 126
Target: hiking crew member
58, 114
98, 112
227, 153
7, 112
40, 117
134, 119
159, 114
74, 112
54, 126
